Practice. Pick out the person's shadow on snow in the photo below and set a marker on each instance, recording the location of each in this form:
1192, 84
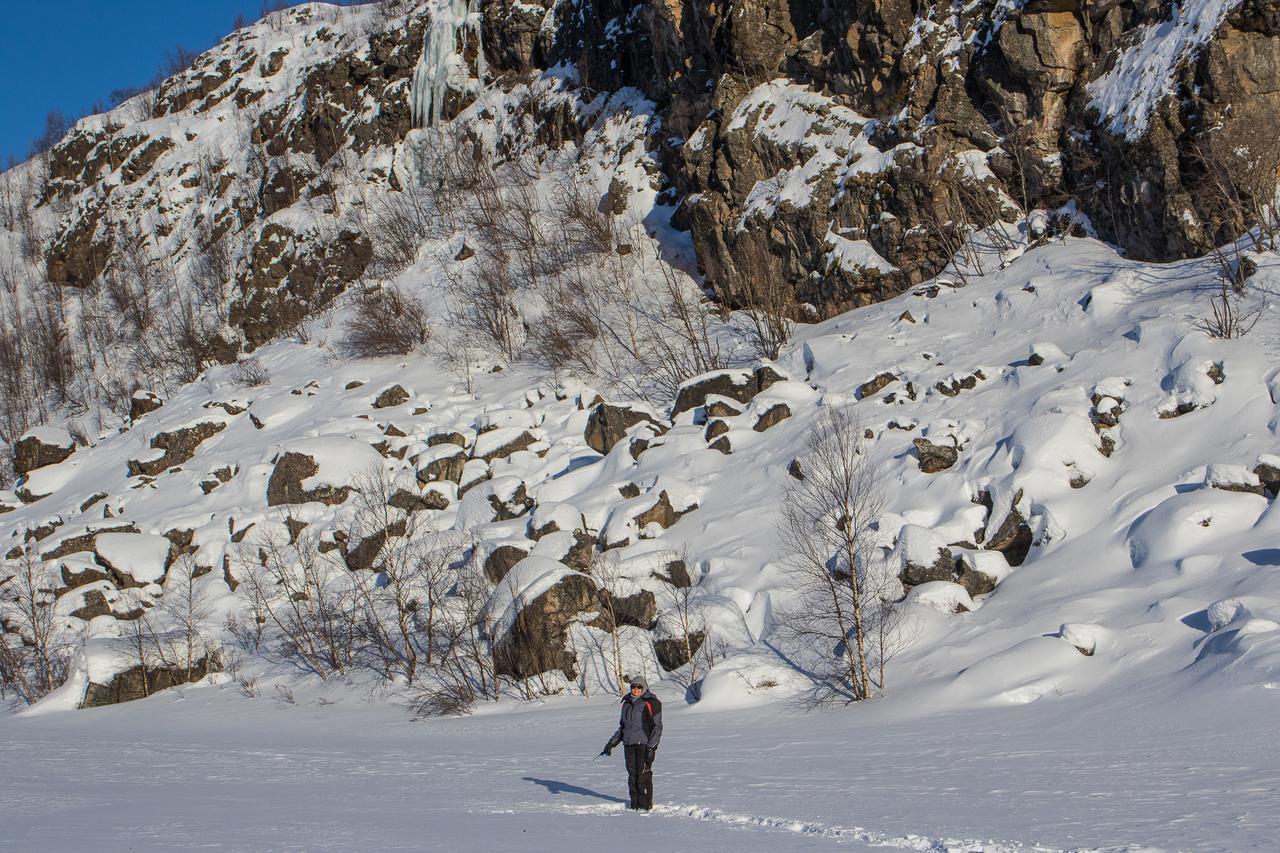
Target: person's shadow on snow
555, 787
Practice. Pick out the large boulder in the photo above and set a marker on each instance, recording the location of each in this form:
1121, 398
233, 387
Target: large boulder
609, 423
40, 447
323, 469
444, 461
141, 681
935, 457
531, 611
1014, 536
736, 384
923, 556
174, 447
675, 652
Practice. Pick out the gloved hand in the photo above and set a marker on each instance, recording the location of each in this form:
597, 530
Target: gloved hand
608, 750
650, 754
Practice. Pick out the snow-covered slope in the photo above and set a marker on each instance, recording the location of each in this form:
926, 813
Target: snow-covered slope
1133, 534
995, 731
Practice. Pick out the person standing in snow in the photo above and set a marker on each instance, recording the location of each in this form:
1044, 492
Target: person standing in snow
639, 730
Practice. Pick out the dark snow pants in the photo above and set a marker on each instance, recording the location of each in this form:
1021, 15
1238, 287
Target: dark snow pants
639, 777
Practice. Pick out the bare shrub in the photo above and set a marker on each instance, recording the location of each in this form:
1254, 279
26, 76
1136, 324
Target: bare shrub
413, 568
386, 322
308, 600
482, 305
1229, 317
450, 699
403, 221
250, 373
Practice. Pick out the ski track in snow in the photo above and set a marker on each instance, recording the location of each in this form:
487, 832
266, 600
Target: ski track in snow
810, 829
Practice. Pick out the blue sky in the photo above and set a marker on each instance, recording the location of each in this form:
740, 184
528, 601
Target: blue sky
68, 54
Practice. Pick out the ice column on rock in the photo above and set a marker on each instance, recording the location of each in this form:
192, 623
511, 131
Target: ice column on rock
440, 64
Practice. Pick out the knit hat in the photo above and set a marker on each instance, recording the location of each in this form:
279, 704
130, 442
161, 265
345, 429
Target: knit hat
639, 682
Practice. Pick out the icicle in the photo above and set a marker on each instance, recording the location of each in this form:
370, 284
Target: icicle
439, 58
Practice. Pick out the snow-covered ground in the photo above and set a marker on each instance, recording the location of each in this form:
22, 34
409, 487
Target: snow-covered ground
995, 732
1125, 769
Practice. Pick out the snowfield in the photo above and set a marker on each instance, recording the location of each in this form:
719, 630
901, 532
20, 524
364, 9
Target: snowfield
1140, 768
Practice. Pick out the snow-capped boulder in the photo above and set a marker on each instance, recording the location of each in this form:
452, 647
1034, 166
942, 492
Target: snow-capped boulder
444, 461
1046, 353
503, 555
631, 520
772, 416
115, 674
981, 571
737, 384
502, 442
81, 537
143, 402
1013, 537
1233, 478
40, 447
876, 384
174, 447
922, 556
942, 596
552, 517
134, 559
322, 469
531, 611
1268, 472
1087, 637
394, 395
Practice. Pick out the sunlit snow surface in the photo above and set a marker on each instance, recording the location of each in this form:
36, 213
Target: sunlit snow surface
1128, 769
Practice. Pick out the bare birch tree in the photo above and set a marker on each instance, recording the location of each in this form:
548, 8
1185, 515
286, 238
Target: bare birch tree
826, 533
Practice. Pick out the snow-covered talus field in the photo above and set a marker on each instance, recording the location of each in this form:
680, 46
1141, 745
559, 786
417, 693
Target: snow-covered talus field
1130, 769
1160, 558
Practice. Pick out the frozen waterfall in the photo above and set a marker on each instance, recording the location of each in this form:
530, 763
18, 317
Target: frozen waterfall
441, 65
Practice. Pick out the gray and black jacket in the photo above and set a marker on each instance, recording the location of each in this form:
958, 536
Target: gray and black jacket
640, 723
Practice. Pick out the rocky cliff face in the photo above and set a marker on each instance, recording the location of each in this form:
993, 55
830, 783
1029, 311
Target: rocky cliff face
842, 150
802, 124
790, 128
